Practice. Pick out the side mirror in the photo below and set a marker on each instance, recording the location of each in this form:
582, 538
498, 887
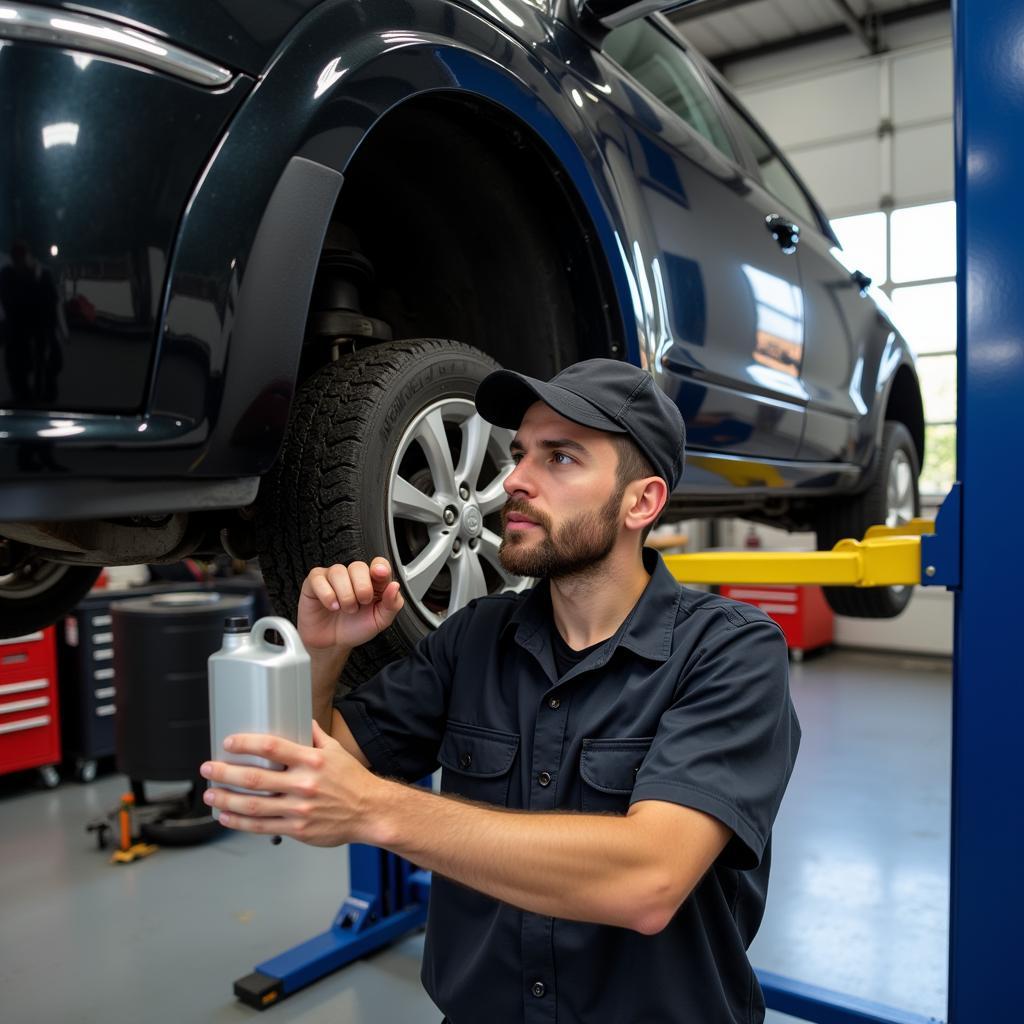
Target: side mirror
613, 13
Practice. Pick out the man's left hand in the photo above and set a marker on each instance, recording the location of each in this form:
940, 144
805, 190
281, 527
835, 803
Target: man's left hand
323, 797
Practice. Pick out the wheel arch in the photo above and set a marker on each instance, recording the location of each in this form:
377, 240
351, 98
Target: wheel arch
493, 244
199, 376
903, 403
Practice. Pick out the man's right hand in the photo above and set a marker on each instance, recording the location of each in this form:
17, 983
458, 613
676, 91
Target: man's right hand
345, 606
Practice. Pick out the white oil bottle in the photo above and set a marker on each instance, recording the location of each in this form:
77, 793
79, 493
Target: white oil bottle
259, 687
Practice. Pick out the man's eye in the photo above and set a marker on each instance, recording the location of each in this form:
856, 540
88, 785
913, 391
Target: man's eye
564, 456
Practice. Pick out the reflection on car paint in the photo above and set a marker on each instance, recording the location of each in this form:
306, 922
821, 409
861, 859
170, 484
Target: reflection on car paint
779, 338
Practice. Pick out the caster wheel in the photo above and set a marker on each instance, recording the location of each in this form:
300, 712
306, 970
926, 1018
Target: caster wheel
49, 776
85, 770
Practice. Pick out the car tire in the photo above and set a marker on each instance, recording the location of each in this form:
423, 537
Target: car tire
366, 433
892, 499
39, 592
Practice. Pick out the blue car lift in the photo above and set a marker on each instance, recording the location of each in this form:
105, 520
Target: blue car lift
965, 554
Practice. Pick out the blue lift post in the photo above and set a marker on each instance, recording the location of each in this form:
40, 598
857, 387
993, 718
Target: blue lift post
966, 553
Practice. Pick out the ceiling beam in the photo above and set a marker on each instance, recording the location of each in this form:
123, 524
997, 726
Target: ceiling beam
703, 8
882, 18
868, 37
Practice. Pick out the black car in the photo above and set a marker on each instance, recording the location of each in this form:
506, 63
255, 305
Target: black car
257, 257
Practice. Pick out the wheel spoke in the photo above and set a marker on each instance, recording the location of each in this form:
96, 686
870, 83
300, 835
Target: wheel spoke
468, 578
410, 502
423, 569
476, 432
493, 496
903, 483
431, 436
489, 544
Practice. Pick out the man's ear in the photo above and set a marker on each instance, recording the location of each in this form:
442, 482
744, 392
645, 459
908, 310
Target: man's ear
648, 499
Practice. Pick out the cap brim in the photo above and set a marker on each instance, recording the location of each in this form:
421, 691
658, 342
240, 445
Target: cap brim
504, 396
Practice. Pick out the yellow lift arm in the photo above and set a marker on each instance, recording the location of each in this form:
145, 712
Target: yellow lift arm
887, 556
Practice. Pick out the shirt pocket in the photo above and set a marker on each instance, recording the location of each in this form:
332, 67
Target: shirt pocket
608, 768
477, 762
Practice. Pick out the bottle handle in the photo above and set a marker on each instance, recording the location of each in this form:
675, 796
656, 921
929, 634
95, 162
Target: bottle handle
292, 642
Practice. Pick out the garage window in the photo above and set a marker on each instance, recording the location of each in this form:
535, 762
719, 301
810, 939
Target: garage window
910, 254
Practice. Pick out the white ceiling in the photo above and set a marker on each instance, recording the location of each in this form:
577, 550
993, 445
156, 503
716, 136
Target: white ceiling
734, 26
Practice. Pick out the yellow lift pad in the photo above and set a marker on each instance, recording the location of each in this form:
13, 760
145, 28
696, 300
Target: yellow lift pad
888, 556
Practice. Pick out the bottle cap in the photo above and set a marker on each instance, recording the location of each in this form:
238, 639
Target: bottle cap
236, 624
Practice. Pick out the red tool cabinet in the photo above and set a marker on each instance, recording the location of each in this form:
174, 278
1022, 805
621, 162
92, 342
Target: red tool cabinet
29, 719
802, 612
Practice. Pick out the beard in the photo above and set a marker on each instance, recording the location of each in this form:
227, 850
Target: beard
577, 547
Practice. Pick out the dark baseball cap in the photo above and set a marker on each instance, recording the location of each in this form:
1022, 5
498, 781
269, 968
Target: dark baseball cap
605, 394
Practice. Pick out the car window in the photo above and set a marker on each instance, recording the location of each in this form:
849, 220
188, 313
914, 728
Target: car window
665, 70
774, 173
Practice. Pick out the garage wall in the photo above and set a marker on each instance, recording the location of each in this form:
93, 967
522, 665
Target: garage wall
866, 134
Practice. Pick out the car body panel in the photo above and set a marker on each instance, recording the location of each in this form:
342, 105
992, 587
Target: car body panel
762, 419
242, 35
88, 220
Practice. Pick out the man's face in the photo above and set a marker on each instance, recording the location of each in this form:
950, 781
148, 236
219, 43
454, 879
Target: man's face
568, 490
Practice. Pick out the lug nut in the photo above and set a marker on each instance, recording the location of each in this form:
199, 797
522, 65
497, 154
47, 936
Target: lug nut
449, 515
457, 545
464, 492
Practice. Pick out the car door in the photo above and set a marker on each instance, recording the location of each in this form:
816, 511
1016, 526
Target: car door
730, 296
833, 363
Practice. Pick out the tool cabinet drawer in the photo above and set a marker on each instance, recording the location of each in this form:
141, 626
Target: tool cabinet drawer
29, 710
25, 656
30, 740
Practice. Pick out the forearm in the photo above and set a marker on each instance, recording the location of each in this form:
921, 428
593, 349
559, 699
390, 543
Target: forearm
327, 665
596, 868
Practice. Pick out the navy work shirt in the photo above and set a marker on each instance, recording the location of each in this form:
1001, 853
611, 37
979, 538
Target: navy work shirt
688, 703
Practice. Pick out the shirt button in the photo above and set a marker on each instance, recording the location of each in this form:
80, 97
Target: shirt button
538, 989
544, 779
554, 703
466, 760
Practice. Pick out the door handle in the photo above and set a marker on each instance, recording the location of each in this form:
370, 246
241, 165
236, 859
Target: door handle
861, 280
785, 232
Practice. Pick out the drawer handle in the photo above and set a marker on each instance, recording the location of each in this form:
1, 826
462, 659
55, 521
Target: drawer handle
105, 710
105, 692
29, 684
25, 723
103, 673
14, 659
23, 705
103, 655
102, 638
101, 620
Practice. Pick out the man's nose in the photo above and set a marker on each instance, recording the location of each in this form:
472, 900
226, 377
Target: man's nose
518, 479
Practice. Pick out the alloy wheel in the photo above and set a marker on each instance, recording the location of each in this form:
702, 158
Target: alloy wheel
445, 497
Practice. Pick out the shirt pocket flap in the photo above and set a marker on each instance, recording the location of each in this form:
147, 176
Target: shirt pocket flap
610, 765
473, 750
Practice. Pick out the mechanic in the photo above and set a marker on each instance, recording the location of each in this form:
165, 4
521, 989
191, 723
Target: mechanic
615, 746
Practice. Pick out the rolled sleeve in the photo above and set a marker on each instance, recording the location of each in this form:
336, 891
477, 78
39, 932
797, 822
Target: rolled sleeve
728, 744
398, 716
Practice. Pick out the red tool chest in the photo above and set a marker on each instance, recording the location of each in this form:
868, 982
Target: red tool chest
29, 718
802, 612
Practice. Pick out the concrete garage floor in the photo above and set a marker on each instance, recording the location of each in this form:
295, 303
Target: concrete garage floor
858, 899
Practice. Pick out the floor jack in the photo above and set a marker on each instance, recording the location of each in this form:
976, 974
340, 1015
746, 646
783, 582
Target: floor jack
144, 825
128, 849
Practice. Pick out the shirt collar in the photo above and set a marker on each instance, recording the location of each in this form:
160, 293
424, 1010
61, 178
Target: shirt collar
647, 630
